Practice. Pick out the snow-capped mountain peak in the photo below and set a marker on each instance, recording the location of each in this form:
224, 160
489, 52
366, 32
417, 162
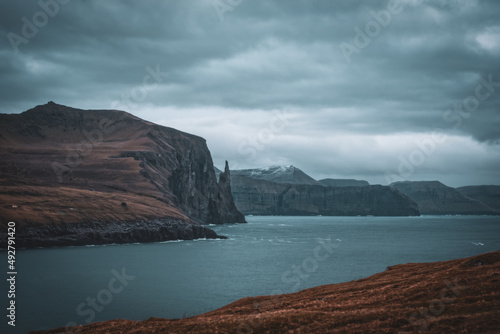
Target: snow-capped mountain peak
279, 174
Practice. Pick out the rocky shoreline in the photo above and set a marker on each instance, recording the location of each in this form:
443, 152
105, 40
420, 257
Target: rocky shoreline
97, 233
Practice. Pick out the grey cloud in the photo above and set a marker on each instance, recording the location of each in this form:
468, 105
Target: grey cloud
266, 55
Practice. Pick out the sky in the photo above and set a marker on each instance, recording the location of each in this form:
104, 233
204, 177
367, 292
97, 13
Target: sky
382, 91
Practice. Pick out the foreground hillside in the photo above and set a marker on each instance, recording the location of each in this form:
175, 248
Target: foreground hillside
71, 177
458, 296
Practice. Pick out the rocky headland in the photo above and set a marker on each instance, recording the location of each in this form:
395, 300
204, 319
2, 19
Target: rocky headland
66, 172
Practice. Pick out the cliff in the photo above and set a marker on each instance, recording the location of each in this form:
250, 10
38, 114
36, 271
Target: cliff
489, 195
225, 199
259, 197
458, 296
343, 183
61, 165
435, 198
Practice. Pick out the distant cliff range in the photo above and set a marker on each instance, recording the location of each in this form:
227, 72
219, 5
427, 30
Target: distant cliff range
287, 190
435, 198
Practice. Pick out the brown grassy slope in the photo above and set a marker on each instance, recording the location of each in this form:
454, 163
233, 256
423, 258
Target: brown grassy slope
63, 164
44, 204
95, 182
459, 296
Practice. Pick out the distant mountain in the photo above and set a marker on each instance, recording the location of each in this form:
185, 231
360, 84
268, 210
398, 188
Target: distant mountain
287, 190
261, 197
489, 195
279, 174
433, 197
70, 177
343, 183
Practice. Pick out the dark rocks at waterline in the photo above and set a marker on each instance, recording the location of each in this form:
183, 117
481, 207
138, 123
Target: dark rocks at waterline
95, 233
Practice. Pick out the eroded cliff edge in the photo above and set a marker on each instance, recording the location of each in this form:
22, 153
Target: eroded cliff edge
435, 198
260, 197
62, 167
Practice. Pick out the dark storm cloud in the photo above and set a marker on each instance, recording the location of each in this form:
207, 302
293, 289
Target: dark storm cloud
265, 56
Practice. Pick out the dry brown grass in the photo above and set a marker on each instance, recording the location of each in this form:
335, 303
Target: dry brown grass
45, 204
94, 182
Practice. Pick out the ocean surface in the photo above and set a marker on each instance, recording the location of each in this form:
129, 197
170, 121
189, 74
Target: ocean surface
59, 286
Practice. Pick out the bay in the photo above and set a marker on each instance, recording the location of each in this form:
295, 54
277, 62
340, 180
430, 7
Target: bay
58, 286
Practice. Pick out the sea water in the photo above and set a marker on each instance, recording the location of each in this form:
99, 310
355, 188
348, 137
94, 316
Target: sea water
56, 287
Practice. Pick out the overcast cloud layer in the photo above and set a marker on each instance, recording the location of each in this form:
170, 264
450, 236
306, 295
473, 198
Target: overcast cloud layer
371, 90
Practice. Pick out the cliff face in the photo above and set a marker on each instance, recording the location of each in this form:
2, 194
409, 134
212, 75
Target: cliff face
433, 197
260, 197
225, 201
343, 183
64, 165
489, 195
